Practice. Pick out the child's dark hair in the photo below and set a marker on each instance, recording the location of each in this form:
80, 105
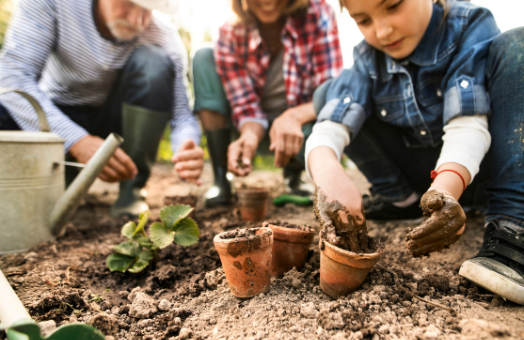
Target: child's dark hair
443, 3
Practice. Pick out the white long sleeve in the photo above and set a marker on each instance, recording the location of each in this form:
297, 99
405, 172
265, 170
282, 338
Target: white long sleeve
327, 133
466, 142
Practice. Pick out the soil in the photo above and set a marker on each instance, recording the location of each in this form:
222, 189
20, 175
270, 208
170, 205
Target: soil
185, 294
285, 224
442, 227
351, 235
239, 233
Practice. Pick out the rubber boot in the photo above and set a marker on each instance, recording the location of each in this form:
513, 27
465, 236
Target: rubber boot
221, 192
293, 181
142, 130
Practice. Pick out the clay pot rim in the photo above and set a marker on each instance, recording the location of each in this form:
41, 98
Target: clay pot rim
348, 257
225, 241
296, 235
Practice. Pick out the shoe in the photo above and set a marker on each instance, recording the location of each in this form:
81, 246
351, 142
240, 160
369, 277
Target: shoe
142, 130
294, 184
221, 193
376, 208
499, 266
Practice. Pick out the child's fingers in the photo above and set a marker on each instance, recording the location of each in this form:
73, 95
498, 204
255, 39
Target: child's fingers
429, 226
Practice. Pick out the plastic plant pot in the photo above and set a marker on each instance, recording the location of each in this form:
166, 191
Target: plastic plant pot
290, 247
253, 203
341, 271
246, 261
187, 200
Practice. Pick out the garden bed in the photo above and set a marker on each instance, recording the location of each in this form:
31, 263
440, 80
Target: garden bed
185, 294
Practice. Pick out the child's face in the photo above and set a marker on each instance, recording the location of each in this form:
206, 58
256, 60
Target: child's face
392, 26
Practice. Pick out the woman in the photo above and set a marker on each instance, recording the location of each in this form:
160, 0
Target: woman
262, 74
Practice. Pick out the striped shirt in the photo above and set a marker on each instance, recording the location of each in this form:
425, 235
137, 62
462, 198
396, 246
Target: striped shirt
54, 52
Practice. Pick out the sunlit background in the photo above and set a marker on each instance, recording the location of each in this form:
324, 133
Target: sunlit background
202, 18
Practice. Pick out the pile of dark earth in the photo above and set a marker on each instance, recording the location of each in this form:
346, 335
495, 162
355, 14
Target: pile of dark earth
185, 295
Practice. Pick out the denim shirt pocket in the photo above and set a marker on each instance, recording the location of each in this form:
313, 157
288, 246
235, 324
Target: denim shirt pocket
390, 109
430, 97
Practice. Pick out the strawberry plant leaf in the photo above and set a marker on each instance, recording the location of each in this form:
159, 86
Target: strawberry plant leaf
119, 262
186, 232
128, 229
141, 262
130, 248
138, 266
171, 215
160, 236
144, 241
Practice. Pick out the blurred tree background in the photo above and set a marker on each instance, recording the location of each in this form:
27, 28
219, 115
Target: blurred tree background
6, 8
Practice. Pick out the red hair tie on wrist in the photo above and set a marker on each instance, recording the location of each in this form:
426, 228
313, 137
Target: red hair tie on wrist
434, 175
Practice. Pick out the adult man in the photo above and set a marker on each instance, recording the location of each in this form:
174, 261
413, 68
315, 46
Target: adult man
102, 66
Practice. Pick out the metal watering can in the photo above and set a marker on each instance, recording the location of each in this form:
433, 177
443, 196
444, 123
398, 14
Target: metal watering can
34, 204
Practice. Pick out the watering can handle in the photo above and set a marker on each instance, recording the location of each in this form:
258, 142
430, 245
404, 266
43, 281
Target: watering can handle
42, 118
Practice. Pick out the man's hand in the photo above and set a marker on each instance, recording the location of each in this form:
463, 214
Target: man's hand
189, 161
286, 138
120, 166
444, 226
242, 150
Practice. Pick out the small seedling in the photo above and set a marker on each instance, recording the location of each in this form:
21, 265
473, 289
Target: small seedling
96, 298
134, 255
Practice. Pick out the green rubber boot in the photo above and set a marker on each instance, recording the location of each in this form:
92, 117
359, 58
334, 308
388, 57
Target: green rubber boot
142, 130
221, 192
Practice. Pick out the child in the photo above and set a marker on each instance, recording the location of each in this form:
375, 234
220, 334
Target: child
424, 85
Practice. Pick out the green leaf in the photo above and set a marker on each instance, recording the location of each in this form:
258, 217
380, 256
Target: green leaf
144, 217
138, 266
171, 215
129, 229
130, 248
144, 241
146, 255
119, 262
160, 236
186, 232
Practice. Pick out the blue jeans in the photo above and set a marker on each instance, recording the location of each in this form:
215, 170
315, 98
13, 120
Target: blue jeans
147, 81
395, 170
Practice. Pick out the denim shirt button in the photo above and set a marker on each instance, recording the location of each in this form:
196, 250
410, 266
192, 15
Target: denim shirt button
464, 84
422, 132
383, 112
439, 93
346, 100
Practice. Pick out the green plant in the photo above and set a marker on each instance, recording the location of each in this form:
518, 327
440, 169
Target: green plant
136, 254
96, 298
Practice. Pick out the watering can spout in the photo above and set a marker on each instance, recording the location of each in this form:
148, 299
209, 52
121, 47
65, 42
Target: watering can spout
68, 202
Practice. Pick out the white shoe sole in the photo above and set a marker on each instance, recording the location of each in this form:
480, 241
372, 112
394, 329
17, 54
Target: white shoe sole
493, 281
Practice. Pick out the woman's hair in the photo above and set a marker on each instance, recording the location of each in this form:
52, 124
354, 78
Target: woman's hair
243, 15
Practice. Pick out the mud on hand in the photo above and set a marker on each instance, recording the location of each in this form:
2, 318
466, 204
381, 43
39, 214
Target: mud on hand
352, 236
444, 226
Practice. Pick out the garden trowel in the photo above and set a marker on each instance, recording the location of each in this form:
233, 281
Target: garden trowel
18, 325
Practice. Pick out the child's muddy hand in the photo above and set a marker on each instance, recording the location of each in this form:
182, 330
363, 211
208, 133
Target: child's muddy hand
444, 226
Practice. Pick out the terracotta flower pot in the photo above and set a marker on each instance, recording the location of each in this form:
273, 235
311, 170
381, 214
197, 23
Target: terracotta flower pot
187, 200
246, 260
253, 203
341, 271
290, 247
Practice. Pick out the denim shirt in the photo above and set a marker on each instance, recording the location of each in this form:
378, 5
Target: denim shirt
442, 79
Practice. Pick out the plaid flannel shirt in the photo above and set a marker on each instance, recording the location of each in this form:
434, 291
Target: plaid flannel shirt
312, 55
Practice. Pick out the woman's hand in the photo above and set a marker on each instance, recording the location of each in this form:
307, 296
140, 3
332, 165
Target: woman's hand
120, 166
286, 133
444, 226
242, 150
189, 161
